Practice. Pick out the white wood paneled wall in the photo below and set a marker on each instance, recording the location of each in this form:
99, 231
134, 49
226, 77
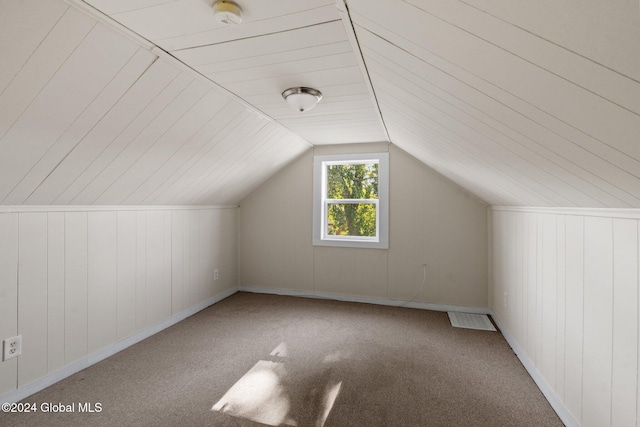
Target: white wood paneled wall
72, 283
565, 288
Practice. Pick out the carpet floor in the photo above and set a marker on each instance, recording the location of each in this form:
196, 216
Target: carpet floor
255, 360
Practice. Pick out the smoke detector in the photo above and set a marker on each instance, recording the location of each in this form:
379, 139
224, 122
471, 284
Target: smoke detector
227, 12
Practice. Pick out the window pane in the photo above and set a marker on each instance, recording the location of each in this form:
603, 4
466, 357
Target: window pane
351, 219
352, 181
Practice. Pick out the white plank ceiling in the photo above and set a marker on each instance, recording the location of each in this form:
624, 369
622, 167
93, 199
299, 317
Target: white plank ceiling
521, 103
89, 117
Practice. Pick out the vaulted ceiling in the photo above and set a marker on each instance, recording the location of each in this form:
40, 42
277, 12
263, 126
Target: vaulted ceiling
155, 102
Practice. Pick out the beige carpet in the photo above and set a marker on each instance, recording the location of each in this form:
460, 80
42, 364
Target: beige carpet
254, 360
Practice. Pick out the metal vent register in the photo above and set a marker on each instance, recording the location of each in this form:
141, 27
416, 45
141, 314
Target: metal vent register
471, 321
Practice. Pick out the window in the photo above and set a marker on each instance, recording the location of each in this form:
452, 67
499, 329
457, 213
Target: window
351, 200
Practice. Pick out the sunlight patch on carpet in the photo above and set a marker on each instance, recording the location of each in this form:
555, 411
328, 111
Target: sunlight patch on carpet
471, 321
281, 393
258, 396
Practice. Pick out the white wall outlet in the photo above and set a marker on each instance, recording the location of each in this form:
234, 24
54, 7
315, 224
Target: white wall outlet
506, 299
215, 274
11, 347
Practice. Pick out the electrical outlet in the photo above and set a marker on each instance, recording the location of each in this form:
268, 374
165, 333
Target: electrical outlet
215, 274
11, 347
506, 299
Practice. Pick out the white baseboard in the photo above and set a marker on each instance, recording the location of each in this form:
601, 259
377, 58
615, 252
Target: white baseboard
364, 299
92, 359
542, 384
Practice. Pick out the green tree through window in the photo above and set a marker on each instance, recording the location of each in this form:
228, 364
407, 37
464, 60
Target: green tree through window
352, 193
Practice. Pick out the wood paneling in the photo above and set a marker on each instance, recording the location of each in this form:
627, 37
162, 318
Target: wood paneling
598, 322
75, 286
102, 279
32, 296
318, 56
582, 329
72, 283
89, 117
520, 106
574, 245
126, 274
177, 25
514, 117
625, 322
8, 295
55, 290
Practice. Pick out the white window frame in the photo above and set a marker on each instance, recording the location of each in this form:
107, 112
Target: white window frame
321, 202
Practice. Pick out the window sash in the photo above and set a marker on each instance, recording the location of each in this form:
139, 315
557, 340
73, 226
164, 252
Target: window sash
325, 219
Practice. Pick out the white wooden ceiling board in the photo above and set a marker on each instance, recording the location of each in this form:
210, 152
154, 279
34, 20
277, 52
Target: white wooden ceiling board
102, 190
232, 117
439, 129
348, 117
324, 138
262, 161
42, 65
457, 166
301, 19
191, 22
216, 178
220, 116
455, 169
81, 127
119, 126
238, 129
533, 122
23, 26
224, 161
182, 187
75, 85
482, 165
161, 150
571, 104
385, 60
111, 7
262, 48
338, 127
187, 154
294, 66
287, 146
316, 79
537, 51
254, 169
260, 59
528, 166
605, 32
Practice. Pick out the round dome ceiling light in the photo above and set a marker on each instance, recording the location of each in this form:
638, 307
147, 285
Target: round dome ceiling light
227, 12
302, 98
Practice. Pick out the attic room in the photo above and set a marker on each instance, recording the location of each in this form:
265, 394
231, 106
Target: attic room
160, 185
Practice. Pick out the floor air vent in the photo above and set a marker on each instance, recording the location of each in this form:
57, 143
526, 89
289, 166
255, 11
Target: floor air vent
470, 321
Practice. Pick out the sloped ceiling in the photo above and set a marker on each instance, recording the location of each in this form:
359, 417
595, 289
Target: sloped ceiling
87, 116
521, 103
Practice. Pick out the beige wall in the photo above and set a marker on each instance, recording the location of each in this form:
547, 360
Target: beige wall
75, 282
565, 289
432, 221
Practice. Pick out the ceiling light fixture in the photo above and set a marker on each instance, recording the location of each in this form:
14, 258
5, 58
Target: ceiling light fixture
227, 12
302, 98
